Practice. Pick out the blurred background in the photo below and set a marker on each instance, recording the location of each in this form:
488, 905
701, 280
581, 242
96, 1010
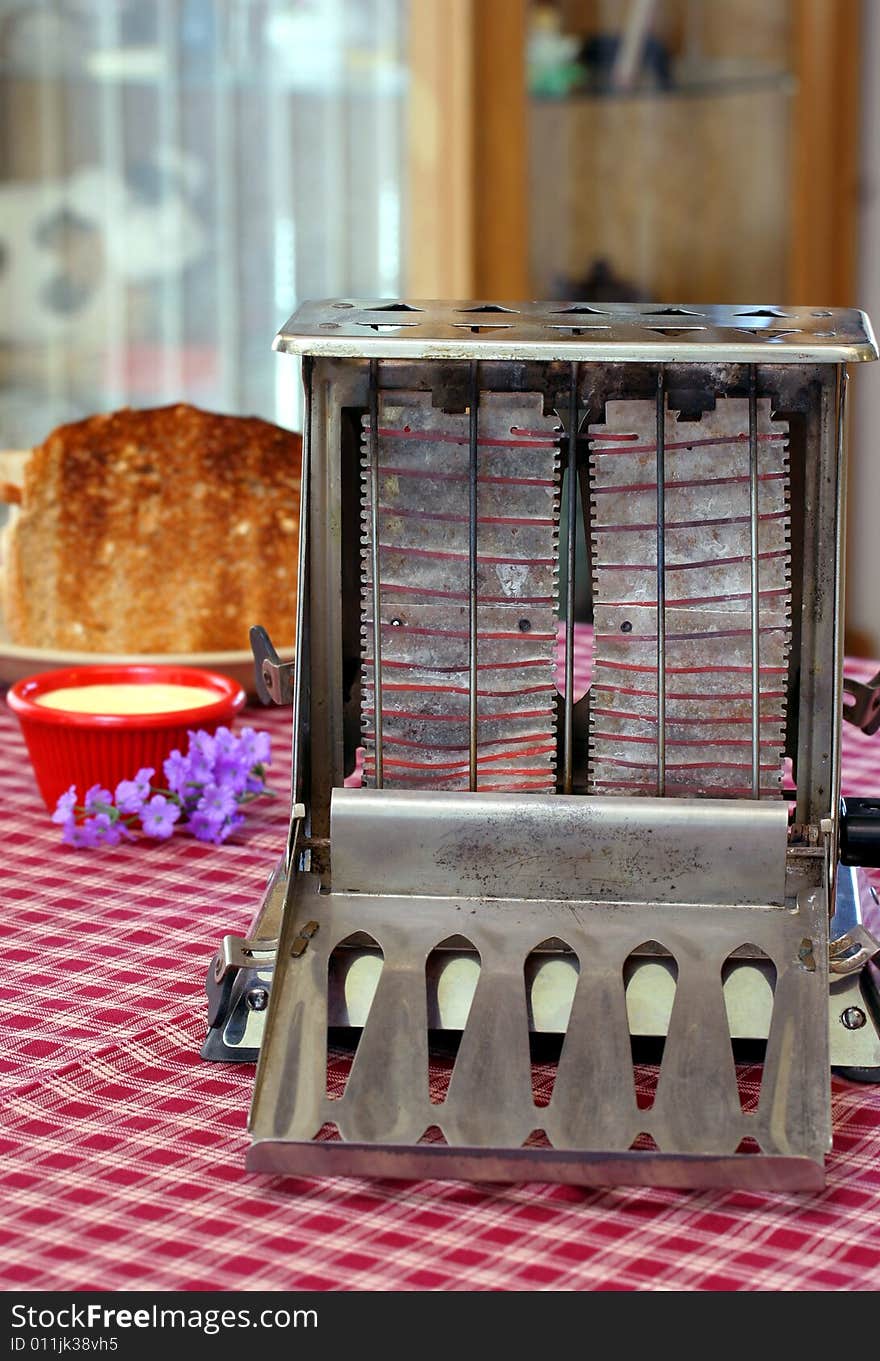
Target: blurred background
176, 175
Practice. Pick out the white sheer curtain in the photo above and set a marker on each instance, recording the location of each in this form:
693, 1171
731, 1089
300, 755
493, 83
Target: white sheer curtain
174, 176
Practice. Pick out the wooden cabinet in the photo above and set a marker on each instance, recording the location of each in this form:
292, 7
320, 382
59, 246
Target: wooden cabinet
731, 178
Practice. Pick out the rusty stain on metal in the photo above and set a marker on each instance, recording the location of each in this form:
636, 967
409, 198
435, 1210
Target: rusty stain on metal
806, 955
301, 941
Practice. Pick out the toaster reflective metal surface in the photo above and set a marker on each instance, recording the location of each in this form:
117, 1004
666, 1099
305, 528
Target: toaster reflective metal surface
512, 864
419, 329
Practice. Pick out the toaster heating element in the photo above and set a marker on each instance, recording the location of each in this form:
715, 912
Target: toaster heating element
657, 860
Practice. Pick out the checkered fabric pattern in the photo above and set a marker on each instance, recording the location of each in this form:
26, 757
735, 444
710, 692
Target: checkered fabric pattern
122, 1153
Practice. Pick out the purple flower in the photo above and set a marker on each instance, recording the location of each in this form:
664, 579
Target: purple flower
106, 831
201, 770
100, 830
73, 835
203, 792
201, 755
256, 747
177, 771
159, 816
231, 773
131, 795
206, 828
65, 806
218, 802
225, 742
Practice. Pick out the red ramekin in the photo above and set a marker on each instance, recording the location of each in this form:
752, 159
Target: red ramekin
79, 749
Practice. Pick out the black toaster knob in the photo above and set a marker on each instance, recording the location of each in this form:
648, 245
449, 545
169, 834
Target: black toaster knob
860, 832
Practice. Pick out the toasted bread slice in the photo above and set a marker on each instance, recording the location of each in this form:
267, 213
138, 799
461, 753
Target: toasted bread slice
166, 530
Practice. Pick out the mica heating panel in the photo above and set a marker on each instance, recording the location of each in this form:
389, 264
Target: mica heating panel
460, 514
691, 567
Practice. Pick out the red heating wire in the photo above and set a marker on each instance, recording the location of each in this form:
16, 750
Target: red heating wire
491, 480
547, 662
677, 741
683, 694
391, 589
627, 639
484, 441
443, 555
700, 720
684, 765
460, 718
498, 635
394, 741
690, 483
447, 516
686, 566
403, 686
461, 767
689, 670
541, 769
715, 441
691, 524
708, 791
691, 600
544, 785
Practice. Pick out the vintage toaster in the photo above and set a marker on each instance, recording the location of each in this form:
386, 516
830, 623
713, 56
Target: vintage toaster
662, 859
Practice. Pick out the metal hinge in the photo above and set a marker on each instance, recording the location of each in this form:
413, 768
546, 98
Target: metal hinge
852, 951
237, 955
240, 952
864, 711
274, 678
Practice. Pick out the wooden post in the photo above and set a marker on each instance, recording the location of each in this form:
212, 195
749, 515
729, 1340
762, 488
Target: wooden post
825, 152
440, 252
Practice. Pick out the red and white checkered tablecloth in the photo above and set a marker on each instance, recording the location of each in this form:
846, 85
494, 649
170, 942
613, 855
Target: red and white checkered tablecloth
122, 1153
